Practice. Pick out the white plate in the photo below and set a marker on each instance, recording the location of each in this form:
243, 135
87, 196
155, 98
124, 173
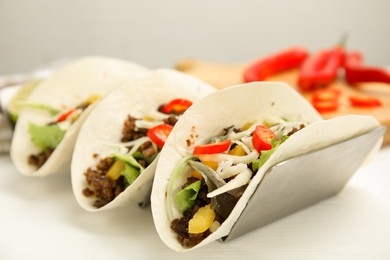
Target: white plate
39, 219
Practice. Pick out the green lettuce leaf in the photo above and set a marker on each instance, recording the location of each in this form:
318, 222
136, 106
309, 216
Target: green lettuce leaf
132, 168
185, 198
256, 164
47, 136
130, 173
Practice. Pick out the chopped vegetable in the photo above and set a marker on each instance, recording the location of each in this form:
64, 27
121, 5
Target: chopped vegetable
159, 134
202, 220
365, 101
130, 173
238, 150
326, 94
262, 138
65, 115
256, 164
326, 106
115, 170
176, 106
185, 198
48, 136
212, 148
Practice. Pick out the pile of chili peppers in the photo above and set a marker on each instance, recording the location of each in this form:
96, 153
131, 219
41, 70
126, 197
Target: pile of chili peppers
318, 70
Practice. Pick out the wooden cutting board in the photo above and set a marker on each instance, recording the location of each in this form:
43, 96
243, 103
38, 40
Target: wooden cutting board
224, 75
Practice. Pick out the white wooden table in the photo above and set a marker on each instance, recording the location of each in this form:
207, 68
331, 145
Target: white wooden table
39, 219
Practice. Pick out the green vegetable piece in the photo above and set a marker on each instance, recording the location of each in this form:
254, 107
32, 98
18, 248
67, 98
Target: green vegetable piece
185, 198
256, 164
130, 173
128, 159
47, 136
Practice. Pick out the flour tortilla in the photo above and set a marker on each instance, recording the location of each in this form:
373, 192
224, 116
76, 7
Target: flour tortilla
237, 106
66, 89
104, 127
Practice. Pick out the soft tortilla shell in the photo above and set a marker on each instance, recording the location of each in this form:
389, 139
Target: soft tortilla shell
65, 89
236, 106
104, 126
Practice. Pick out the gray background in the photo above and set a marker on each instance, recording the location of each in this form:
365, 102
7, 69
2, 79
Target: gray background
159, 33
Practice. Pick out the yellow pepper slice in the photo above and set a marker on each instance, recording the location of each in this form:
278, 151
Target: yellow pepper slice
202, 220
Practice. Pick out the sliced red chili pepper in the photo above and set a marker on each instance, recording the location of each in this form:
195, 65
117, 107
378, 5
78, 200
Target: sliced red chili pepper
285, 60
326, 106
65, 115
327, 94
356, 72
159, 134
365, 101
262, 137
176, 106
321, 68
212, 148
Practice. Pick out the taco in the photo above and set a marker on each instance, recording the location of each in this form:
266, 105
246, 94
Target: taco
48, 124
115, 154
219, 151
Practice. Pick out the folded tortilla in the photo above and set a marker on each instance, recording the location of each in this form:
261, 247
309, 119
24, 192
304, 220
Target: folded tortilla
102, 130
65, 89
238, 105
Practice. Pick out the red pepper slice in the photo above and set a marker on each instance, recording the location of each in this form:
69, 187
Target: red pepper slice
213, 148
159, 134
326, 106
285, 60
328, 94
65, 115
321, 68
262, 138
356, 72
364, 101
176, 106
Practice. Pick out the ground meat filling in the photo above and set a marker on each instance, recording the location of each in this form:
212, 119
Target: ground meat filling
39, 159
102, 187
106, 189
180, 226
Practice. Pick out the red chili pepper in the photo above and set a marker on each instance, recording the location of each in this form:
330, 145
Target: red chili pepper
326, 100
321, 68
285, 60
65, 115
356, 72
262, 138
327, 94
176, 106
212, 148
364, 101
326, 106
159, 134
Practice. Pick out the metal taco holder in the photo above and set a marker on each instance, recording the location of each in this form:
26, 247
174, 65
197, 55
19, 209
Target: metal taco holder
302, 181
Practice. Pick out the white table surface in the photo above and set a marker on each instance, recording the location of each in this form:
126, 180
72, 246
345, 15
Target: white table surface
40, 219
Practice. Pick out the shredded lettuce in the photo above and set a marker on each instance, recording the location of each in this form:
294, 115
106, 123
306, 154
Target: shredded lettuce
176, 178
185, 198
47, 136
